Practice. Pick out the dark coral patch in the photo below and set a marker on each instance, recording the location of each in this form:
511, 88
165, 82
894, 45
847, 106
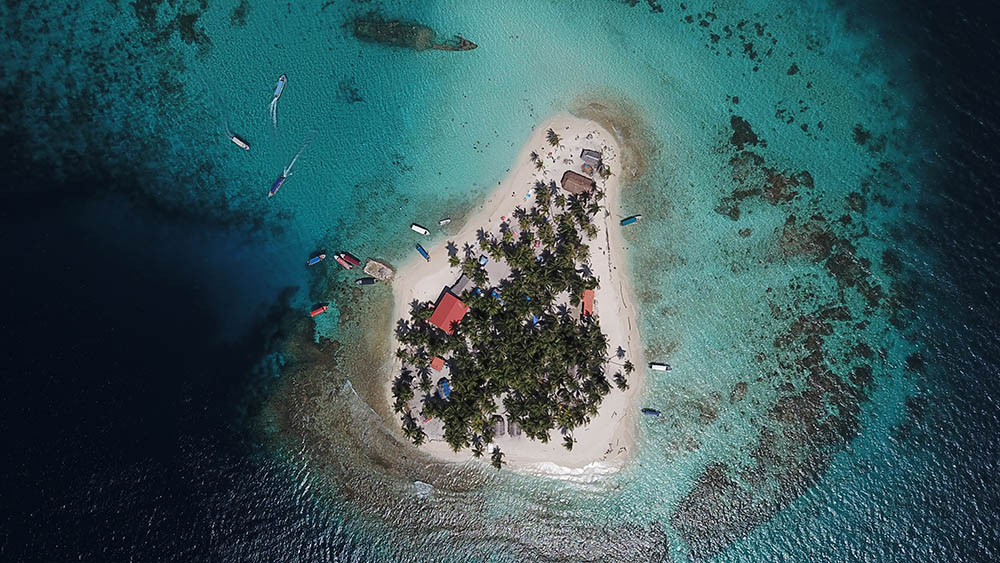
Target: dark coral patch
812, 238
742, 133
238, 17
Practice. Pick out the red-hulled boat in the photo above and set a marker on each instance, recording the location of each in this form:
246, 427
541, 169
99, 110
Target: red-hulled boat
350, 259
340, 260
319, 310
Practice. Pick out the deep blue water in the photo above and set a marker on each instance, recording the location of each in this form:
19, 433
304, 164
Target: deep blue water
126, 386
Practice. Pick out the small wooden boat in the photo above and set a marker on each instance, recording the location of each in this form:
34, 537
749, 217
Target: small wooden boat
630, 220
419, 229
316, 260
340, 260
444, 221
650, 412
276, 186
280, 88
365, 281
240, 143
423, 253
319, 310
659, 366
350, 259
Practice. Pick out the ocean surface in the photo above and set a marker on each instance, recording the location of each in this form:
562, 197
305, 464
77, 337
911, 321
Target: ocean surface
817, 260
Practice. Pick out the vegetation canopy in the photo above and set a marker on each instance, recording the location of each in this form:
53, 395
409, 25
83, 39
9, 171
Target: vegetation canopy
522, 345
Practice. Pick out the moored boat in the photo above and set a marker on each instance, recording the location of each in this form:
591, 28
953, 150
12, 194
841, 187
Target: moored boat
650, 412
630, 220
444, 221
423, 253
340, 260
276, 186
240, 143
365, 281
659, 366
316, 259
350, 259
319, 310
419, 229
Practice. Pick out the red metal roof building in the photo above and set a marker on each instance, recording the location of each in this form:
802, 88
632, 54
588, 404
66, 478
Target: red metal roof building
437, 364
449, 311
588, 302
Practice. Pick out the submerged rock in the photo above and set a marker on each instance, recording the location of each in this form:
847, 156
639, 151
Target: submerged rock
410, 35
739, 391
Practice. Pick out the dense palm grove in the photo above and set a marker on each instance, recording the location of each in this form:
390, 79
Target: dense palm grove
522, 346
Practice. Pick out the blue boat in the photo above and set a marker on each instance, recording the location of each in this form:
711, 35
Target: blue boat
282, 80
276, 186
423, 253
650, 412
630, 220
316, 259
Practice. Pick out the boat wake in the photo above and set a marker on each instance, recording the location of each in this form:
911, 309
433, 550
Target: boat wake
288, 169
273, 111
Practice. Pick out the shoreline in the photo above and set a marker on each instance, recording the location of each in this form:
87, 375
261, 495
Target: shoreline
608, 442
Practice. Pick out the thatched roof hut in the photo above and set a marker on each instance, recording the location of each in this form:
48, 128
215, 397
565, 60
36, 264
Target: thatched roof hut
575, 183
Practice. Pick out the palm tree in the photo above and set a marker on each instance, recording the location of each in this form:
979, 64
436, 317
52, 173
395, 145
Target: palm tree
620, 382
629, 368
552, 137
497, 458
533, 156
568, 442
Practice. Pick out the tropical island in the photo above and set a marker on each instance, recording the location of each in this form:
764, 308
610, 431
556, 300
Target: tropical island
515, 338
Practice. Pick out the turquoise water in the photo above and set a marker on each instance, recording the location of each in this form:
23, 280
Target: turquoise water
393, 136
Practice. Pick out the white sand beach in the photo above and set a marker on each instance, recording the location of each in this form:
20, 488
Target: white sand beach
608, 441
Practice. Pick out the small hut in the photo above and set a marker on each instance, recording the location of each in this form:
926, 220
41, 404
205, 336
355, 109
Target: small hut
444, 388
588, 303
591, 157
437, 364
513, 428
448, 312
576, 183
498, 425
462, 285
